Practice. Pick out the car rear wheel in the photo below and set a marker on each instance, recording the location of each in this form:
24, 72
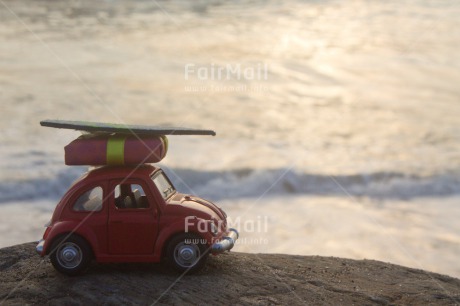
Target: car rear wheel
187, 253
71, 255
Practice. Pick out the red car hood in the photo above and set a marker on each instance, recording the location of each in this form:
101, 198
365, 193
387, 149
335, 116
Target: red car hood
196, 206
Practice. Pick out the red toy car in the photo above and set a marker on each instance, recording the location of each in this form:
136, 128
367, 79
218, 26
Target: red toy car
133, 213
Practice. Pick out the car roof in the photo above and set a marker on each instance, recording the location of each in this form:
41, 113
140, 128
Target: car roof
121, 171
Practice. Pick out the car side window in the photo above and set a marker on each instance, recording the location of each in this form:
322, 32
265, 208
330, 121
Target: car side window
91, 200
130, 196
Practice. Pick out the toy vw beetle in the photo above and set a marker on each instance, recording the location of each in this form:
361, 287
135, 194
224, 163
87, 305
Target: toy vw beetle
127, 210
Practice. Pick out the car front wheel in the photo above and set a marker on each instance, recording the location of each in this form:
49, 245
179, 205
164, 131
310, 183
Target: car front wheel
187, 253
70, 255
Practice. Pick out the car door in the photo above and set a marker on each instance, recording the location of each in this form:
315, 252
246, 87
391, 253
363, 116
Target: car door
133, 218
88, 206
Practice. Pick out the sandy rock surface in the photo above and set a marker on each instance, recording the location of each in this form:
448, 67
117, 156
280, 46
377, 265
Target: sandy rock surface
232, 278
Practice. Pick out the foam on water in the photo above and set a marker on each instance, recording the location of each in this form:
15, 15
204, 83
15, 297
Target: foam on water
218, 185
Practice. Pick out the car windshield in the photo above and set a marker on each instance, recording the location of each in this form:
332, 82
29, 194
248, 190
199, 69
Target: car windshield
164, 186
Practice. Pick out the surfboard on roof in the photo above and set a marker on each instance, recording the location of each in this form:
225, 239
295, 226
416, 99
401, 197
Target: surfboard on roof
99, 127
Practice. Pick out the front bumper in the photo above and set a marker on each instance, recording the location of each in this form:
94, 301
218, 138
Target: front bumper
39, 247
226, 243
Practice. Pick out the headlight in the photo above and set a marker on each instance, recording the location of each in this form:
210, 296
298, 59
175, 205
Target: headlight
214, 229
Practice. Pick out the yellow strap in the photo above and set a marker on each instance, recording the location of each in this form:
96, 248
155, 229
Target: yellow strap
116, 150
165, 141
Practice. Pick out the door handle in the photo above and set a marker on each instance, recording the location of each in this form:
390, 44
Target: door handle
116, 221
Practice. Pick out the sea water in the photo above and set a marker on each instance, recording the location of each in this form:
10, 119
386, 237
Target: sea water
337, 121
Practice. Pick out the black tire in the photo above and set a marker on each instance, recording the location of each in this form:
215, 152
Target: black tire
187, 252
71, 256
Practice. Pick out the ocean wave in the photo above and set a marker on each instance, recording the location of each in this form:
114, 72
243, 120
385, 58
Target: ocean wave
256, 183
52, 186
238, 183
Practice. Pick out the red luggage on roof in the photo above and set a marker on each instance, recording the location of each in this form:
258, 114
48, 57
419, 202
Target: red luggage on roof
115, 150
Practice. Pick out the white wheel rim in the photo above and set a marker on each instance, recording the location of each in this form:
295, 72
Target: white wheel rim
69, 255
186, 255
